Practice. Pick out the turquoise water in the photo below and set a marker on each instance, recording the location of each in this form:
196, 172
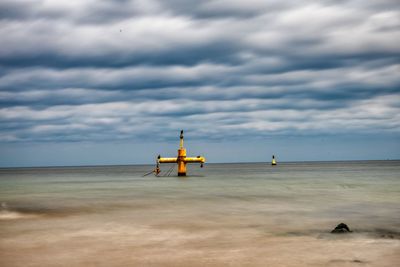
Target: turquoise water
249, 214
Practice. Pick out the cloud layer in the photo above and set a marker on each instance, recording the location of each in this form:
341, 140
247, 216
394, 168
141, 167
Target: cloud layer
121, 70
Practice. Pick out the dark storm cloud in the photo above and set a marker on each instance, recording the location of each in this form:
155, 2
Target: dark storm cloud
89, 11
97, 70
225, 9
216, 52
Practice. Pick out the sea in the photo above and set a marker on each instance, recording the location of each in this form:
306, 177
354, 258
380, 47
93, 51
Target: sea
237, 214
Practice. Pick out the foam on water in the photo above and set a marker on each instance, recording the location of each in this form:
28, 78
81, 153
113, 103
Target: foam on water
13, 215
6, 214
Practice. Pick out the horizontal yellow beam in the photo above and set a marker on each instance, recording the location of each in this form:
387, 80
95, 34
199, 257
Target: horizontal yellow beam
186, 160
198, 159
168, 160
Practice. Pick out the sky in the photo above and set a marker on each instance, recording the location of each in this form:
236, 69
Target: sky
90, 82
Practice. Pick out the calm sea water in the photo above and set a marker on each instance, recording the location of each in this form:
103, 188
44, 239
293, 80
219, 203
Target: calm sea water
221, 215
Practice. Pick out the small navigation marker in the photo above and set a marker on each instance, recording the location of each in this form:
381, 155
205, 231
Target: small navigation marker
273, 163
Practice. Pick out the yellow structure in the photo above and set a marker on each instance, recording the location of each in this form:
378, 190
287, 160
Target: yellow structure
273, 163
181, 159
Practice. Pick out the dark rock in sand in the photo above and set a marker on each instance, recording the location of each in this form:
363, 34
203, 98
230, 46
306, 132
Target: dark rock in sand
341, 228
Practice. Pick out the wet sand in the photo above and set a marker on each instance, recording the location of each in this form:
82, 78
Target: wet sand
76, 241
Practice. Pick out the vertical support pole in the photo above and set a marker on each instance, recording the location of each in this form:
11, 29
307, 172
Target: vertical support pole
181, 157
181, 140
181, 162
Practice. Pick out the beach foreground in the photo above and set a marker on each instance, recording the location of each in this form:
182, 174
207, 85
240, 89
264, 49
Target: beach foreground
226, 215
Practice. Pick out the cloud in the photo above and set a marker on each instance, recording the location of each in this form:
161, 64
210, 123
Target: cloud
118, 70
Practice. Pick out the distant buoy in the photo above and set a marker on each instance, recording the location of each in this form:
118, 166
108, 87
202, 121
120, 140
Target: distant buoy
273, 163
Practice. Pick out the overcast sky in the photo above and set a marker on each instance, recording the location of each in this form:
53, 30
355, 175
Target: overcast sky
113, 82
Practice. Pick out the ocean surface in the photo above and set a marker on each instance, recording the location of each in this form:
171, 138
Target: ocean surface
251, 214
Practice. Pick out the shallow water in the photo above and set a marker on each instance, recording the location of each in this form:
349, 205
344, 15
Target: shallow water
222, 215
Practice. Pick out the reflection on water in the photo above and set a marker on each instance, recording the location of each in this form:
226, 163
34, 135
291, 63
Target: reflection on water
224, 214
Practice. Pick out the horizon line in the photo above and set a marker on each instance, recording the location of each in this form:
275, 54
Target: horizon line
148, 164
